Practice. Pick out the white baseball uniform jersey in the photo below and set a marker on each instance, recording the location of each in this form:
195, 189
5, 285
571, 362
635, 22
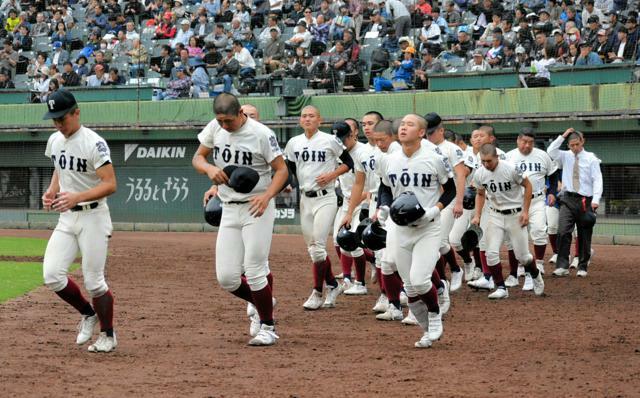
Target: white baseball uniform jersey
243, 241
76, 160
314, 156
254, 145
455, 156
502, 185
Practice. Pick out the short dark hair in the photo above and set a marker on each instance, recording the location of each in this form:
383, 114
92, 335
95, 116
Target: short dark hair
237, 43
576, 135
488, 149
67, 63
488, 129
167, 48
527, 132
376, 113
355, 121
226, 104
384, 126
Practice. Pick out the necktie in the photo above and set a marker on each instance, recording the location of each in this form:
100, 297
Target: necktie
576, 174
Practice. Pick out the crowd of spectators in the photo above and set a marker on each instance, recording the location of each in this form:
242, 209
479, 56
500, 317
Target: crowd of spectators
194, 46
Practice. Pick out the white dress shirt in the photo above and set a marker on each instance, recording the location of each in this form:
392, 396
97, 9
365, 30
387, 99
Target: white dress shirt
589, 166
399, 9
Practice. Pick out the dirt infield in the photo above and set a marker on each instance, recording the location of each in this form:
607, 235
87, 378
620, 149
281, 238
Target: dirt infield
179, 334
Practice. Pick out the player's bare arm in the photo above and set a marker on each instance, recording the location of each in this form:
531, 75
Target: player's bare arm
107, 186
52, 191
347, 164
357, 196
480, 198
528, 190
210, 193
202, 166
260, 202
461, 172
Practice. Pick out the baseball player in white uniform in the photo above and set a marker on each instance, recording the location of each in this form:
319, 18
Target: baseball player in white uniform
435, 133
253, 113
359, 152
415, 169
83, 177
313, 157
507, 214
537, 166
481, 278
244, 236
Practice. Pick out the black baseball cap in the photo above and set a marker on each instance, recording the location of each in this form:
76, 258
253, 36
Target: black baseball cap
433, 121
341, 130
59, 104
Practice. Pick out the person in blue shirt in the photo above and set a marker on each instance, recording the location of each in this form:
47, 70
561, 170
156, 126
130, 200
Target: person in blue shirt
390, 42
587, 57
402, 75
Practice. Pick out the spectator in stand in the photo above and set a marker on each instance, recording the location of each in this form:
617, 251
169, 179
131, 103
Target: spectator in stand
390, 42
241, 14
166, 29
340, 23
182, 60
439, 20
194, 48
21, 40
99, 20
428, 66
356, 9
203, 27
184, 34
81, 67
573, 35
244, 58
590, 32
573, 16
508, 35
573, 54
178, 9
5, 80
114, 78
495, 55
339, 60
402, 18
430, 32
377, 24
212, 6
131, 33
120, 46
212, 57
590, 10
302, 37
98, 78
273, 51
199, 77
133, 9
166, 62
554, 10
309, 19
217, 37
623, 50
423, 8
69, 78
99, 60
236, 30
320, 36
295, 15
541, 42
542, 76
52, 87
112, 8
602, 46
177, 88
402, 75
40, 84
8, 57
41, 27
60, 55
587, 57
249, 41
633, 33
275, 7
12, 21
509, 60
61, 34
560, 45
265, 36
451, 15
477, 63
138, 59
325, 11
523, 62
464, 45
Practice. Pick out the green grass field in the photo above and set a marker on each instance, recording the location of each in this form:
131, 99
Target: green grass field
16, 277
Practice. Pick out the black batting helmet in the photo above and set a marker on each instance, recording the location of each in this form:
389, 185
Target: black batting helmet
374, 236
471, 237
406, 209
469, 198
364, 213
242, 179
347, 240
213, 212
360, 229
588, 219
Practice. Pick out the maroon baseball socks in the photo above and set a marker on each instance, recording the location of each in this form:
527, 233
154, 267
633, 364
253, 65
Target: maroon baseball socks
104, 308
72, 295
